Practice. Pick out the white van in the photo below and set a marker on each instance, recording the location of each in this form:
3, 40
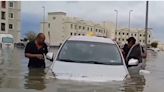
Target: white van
6, 41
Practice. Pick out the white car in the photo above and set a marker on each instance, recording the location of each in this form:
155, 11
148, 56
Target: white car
84, 58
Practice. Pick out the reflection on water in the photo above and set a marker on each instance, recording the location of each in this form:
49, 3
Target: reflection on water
135, 84
14, 74
34, 79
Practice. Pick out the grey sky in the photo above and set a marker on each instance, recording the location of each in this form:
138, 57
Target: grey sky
101, 11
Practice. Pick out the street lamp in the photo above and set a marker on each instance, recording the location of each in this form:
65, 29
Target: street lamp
116, 19
146, 22
129, 18
43, 17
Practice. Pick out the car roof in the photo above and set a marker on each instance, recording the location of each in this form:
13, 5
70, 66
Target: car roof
91, 39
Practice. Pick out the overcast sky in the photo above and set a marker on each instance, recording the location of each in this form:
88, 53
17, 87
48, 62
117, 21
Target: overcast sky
32, 13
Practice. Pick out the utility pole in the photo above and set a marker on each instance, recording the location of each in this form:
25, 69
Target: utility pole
116, 19
43, 18
146, 23
129, 18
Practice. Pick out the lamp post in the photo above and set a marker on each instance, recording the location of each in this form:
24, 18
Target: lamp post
43, 17
146, 22
129, 18
116, 19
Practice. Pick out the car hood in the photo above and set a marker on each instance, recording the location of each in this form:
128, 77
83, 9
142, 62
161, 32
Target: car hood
88, 72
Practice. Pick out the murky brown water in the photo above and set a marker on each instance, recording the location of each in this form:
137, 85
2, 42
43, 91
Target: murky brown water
16, 77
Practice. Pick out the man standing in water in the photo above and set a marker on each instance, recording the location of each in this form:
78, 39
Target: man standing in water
35, 51
138, 53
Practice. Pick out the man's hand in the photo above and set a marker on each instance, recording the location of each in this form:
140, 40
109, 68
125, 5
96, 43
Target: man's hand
39, 56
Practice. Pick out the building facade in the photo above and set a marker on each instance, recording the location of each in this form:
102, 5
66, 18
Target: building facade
139, 34
59, 26
10, 18
161, 46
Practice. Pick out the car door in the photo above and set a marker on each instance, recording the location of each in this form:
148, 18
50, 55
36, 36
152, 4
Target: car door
135, 53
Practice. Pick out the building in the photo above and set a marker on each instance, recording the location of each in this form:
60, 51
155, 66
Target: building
10, 19
59, 26
161, 46
139, 34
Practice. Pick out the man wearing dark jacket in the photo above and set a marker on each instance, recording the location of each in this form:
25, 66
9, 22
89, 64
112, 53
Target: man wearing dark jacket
133, 50
35, 51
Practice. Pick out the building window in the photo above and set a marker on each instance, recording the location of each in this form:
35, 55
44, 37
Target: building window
149, 36
2, 26
3, 4
10, 26
88, 28
79, 34
11, 4
122, 39
75, 34
79, 27
11, 15
3, 15
75, 26
135, 35
83, 28
54, 18
48, 25
71, 33
71, 26
91, 29
127, 33
140, 35
116, 33
119, 33
123, 33
131, 34
119, 39
140, 40
96, 30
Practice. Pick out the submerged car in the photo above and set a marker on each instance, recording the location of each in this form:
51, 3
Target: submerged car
86, 58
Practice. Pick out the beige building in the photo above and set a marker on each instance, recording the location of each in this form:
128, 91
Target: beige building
161, 46
59, 26
10, 18
139, 34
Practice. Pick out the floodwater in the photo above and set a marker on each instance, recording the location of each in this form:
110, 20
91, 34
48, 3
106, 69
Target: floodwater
16, 77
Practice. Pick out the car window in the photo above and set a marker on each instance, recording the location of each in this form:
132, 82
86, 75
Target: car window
90, 52
7, 40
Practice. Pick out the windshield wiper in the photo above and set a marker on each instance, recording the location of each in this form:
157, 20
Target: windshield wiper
95, 62
91, 62
67, 60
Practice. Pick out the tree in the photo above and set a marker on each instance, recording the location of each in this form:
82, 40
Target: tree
154, 44
30, 35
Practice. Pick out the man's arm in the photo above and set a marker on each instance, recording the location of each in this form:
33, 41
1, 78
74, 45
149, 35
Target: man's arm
29, 55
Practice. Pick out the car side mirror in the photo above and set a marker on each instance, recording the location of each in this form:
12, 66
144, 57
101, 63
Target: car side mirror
133, 62
50, 56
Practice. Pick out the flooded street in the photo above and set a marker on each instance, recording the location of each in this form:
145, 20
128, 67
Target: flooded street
16, 77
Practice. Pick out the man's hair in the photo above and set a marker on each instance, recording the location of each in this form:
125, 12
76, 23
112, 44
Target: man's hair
39, 34
131, 39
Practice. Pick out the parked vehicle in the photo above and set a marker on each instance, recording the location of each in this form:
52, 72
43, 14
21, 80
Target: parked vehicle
86, 58
6, 41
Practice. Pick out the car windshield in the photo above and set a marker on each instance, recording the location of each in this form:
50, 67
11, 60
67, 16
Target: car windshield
7, 40
90, 52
